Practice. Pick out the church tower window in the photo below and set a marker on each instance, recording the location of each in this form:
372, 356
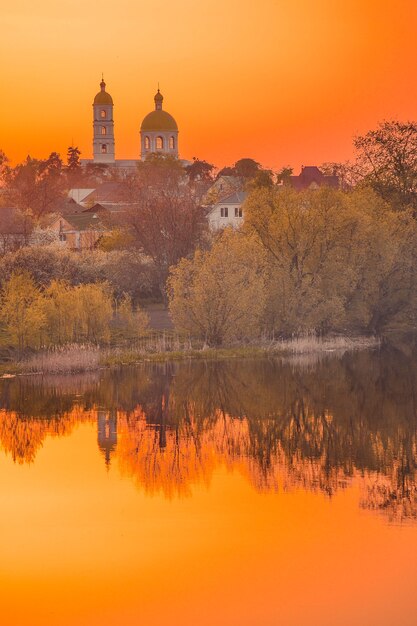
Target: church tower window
159, 143
103, 148
147, 143
103, 114
171, 143
103, 130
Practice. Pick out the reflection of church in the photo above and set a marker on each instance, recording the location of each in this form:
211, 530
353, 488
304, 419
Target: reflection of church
107, 433
158, 132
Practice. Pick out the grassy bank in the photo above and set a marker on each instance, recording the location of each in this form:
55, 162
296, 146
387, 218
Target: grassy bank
84, 358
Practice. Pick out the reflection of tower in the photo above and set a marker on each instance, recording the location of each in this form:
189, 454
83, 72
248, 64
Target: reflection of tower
107, 433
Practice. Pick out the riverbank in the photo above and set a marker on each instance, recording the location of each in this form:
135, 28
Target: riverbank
84, 358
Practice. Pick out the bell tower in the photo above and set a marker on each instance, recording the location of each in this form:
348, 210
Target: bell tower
103, 126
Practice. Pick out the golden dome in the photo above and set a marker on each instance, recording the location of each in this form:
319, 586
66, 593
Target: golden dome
159, 120
103, 97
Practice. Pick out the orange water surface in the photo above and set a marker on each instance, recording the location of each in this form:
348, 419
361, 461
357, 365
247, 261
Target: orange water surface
190, 534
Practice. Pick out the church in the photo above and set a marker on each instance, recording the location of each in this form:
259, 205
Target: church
158, 132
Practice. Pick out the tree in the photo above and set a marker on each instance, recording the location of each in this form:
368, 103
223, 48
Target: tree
200, 170
94, 304
166, 221
15, 229
387, 161
37, 185
127, 323
22, 311
4, 168
226, 171
302, 234
284, 174
262, 180
243, 168
44, 237
336, 261
73, 171
346, 172
246, 168
78, 314
219, 295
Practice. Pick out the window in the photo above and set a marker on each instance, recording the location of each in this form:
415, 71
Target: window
103, 148
147, 143
103, 114
224, 211
171, 143
103, 130
238, 211
159, 143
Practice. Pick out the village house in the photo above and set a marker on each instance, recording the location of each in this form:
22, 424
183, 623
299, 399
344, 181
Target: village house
227, 212
80, 231
311, 177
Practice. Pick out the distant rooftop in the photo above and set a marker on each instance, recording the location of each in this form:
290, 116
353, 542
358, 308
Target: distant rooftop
311, 176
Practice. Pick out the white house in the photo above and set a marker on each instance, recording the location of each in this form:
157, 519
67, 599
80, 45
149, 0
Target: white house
227, 212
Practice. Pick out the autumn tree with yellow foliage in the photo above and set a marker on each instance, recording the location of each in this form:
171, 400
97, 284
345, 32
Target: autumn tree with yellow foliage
219, 295
63, 314
336, 261
22, 311
317, 261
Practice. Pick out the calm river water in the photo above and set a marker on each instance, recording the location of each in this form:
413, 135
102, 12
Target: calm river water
237, 493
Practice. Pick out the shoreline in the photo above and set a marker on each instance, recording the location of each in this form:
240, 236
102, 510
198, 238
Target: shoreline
77, 359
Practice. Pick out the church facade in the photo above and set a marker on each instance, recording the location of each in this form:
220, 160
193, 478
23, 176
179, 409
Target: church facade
158, 132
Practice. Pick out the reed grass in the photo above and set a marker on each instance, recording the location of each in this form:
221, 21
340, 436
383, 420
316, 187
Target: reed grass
63, 359
169, 346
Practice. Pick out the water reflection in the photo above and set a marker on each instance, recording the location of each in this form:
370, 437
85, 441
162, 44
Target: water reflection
283, 425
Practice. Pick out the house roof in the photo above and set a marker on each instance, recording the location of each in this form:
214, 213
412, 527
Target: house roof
96, 208
84, 221
311, 175
78, 194
110, 193
67, 205
238, 197
224, 185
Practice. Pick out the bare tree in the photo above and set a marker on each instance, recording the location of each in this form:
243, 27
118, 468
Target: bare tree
166, 220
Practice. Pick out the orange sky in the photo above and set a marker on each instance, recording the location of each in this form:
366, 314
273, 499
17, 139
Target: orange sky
282, 81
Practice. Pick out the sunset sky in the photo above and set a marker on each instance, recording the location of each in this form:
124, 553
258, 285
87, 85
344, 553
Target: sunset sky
281, 81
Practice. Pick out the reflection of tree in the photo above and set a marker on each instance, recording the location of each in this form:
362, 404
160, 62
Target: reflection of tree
22, 437
281, 425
